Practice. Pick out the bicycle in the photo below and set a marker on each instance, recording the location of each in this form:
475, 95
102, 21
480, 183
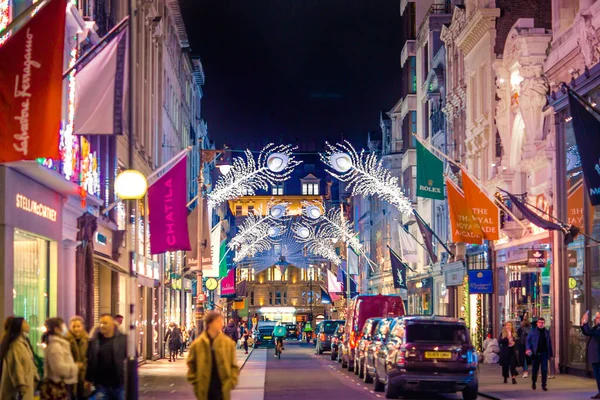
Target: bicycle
278, 347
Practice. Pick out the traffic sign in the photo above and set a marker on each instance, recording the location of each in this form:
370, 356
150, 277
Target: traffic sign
201, 297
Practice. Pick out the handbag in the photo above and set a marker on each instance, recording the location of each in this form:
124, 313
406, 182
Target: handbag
50, 390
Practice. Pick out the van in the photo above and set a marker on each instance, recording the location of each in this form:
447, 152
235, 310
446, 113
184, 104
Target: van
362, 308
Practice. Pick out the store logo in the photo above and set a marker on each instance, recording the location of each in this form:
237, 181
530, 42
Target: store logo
39, 209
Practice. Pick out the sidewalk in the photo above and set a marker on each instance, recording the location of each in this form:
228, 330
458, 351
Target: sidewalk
251, 385
164, 380
562, 387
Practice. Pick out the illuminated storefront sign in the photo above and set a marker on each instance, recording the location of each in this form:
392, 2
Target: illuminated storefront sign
39, 209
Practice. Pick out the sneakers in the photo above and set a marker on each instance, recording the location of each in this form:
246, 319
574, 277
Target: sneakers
525, 374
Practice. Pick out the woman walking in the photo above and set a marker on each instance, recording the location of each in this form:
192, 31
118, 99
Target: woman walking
18, 370
60, 369
173, 339
78, 339
508, 354
522, 334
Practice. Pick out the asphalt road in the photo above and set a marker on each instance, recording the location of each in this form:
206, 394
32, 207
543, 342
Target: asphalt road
302, 374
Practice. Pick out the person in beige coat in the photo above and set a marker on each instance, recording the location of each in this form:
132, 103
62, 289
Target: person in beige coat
19, 373
79, 340
59, 365
212, 362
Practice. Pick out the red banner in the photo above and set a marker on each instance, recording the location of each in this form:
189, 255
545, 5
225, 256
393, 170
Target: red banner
31, 86
485, 211
464, 225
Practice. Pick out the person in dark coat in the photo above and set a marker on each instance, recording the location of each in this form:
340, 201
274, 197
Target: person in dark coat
593, 349
522, 333
539, 348
508, 352
173, 340
232, 331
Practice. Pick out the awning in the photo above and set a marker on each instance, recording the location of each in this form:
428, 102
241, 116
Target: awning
109, 263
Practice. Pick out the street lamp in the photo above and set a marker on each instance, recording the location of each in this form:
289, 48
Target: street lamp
277, 162
131, 185
224, 163
341, 162
313, 212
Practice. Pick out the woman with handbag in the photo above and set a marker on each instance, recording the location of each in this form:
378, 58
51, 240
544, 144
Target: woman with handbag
79, 340
18, 370
60, 369
508, 352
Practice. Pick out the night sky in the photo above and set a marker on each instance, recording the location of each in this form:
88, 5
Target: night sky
295, 70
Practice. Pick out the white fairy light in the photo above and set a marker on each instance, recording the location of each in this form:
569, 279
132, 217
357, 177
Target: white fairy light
365, 175
334, 226
257, 225
317, 241
275, 163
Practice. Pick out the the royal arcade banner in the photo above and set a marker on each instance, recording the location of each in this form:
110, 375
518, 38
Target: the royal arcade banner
462, 222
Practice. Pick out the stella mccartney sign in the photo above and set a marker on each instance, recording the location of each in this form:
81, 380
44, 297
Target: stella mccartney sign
32, 206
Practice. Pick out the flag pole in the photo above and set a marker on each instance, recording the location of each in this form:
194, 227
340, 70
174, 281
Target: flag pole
400, 258
432, 232
24, 16
411, 235
176, 158
584, 101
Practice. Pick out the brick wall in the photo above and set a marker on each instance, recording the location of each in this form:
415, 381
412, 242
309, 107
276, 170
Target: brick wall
511, 11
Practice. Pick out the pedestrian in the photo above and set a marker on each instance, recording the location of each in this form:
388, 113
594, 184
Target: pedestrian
245, 336
17, 366
60, 369
231, 330
212, 363
192, 333
119, 321
593, 349
539, 348
79, 340
106, 356
522, 333
508, 352
184, 338
173, 340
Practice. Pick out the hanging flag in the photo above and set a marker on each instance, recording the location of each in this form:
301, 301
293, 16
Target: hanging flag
325, 298
100, 88
228, 284
430, 174
463, 225
341, 277
31, 86
222, 259
205, 255
398, 271
533, 217
427, 234
575, 199
352, 261
408, 245
585, 128
333, 286
241, 289
212, 250
168, 210
484, 210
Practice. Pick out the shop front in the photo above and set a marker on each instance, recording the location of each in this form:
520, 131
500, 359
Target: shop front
420, 299
454, 275
30, 238
477, 307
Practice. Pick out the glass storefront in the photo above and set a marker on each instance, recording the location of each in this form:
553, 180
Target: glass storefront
31, 290
420, 300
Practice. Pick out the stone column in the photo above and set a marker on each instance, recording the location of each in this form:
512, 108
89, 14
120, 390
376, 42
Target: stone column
67, 281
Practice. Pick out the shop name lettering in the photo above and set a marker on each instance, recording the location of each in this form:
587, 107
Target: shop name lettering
485, 222
171, 238
39, 209
430, 189
22, 91
480, 286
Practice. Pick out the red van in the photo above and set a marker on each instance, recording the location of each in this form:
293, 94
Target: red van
362, 308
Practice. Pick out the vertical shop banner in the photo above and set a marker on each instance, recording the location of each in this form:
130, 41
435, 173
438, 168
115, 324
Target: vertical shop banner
228, 284
430, 174
427, 234
31, 67
222, 259
168, 211
408, 245
352, 257
585, 129
575, 202
211, 269
398, 271
241, 289
333, 285
325, 298
485, 211
481, 281
464, 227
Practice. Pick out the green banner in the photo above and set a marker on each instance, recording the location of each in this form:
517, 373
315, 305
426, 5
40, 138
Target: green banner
223, 259
430, 174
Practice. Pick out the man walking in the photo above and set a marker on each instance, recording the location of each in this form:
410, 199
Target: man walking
232, 331
212, 362
593, 350
107, 352
539, 348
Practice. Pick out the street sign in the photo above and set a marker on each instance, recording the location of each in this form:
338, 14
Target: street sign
537, 258
201, 297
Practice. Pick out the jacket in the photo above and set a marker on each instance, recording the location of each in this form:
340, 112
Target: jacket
232, 332
173, 338
593, 350
79, 352
508, 354
533, 339
18, 369
58, 361
120, 354
200, 361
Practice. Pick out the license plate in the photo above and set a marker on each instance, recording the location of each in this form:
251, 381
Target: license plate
438, 354
267, 337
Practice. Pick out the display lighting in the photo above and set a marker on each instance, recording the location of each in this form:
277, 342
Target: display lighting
365, 175
275, 163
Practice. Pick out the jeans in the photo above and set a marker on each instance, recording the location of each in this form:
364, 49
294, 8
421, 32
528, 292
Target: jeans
525, 365
104, 393
596, 368
540, 360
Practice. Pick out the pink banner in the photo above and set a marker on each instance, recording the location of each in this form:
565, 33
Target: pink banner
228, 284
168, 211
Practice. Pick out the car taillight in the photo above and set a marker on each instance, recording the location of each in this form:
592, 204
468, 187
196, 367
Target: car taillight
401, 361
470, 358
354, 340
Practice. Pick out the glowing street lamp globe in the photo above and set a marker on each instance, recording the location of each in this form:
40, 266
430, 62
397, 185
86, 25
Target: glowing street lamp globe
303, 232
225, 169
341, 162
277, 211
131, 185
273, 232
277, 162
313, 212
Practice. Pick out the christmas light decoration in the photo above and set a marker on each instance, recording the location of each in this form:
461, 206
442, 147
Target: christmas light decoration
334, 225
275, 164
365, 175
257, 225
479, 324
465, 307
4, 14
317, 241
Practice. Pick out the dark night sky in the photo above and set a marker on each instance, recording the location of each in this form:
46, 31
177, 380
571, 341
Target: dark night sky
295, 70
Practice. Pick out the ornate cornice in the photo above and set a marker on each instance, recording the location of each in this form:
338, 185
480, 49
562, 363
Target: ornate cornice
481, 22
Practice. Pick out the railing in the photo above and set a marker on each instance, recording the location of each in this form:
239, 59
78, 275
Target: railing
438, 121
445, 8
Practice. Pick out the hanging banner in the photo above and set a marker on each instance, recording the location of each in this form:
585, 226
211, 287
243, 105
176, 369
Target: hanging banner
585, 128
352, 257
463, 225
222, 259
408, 245
31, 84
211, 252
228, 284
206, 259
430, 174
398, 271
168, 211
427, 234
575, 199
484, 210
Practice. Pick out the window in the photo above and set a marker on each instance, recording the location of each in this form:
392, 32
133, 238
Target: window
278, 298
238, 211
277, 190
310, 274
250, 209
407, 184
271, 298
251, 298
413, 129
310, 189
413, 75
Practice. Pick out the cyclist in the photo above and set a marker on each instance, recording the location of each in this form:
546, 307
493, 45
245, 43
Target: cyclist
279, 332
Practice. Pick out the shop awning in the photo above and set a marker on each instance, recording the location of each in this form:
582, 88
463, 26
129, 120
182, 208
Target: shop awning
107, 262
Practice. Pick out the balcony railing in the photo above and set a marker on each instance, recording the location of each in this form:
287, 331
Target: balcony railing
438, 121
445, 8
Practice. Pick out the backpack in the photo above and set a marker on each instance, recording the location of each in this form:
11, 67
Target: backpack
279, 331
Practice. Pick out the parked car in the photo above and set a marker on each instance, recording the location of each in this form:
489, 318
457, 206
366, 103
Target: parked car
325, 333
427, 354
367, 336
379, 339
263, 335
336, 338
362, 308
291, 331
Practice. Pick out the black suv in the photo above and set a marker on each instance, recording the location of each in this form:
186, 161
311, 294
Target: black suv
427, 354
